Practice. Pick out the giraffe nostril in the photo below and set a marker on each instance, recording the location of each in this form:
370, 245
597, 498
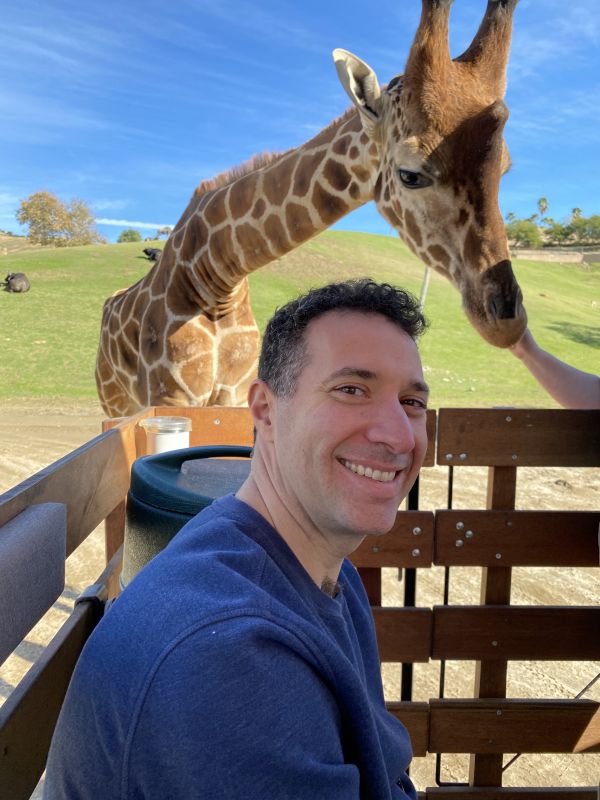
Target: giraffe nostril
501, 305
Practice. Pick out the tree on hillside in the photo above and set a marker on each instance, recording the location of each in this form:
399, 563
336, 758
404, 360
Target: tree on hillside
80, 224
523, 233
129, 235
50, 221
165, 231
542, 205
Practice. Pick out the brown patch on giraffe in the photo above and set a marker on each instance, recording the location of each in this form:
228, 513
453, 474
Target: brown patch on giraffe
299, 223
178, 237
354, 152
151, 340
472, 248
185, 341
412, 227
196, 371
377, 189
328, 206
196, 237
163, 387
463, 217
238, 350
276, 234
215, 212
354, 191
361, 173
364, 139
181, 298
336, 174
440, 254
241, 195
259, 208
389, 213
305, 172
222, 252
253, 244
373, 151
386, 193
276, 181
340, 146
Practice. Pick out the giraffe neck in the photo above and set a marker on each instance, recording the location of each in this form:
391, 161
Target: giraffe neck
229, 232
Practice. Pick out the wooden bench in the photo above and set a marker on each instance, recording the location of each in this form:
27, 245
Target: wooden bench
497, 538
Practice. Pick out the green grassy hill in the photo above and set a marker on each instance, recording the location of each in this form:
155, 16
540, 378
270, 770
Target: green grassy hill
50, 334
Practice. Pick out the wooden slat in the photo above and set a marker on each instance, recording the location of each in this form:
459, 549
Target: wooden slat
516, 632
530, 793
408, 544
514, 726
415, 717
517, 437
431, 438
214, 425
90, 481
521, 538
490, 676
29, 715
403, 634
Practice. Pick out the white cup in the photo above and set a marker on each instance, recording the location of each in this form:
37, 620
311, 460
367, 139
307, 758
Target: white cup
166, 433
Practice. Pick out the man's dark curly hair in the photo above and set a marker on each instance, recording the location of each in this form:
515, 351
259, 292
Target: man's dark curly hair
283, 353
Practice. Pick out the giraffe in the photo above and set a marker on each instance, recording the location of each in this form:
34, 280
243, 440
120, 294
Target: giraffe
428, 148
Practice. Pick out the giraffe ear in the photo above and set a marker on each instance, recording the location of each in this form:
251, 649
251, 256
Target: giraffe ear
360, 83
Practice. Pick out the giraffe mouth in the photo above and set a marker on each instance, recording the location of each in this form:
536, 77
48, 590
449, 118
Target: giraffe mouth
495, 306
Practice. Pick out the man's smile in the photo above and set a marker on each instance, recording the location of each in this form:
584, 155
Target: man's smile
375, 474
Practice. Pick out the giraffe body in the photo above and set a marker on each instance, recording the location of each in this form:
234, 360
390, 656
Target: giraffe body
428, 149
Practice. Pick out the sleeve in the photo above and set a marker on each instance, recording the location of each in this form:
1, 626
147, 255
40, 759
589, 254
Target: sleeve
240, 709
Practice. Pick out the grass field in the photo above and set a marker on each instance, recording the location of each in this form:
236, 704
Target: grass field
50, 334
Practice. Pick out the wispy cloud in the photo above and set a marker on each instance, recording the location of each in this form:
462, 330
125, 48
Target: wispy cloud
133, 224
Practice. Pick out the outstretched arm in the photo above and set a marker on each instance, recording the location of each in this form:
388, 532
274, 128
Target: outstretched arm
570, 387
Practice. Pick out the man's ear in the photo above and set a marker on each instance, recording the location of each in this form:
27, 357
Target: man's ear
261, 402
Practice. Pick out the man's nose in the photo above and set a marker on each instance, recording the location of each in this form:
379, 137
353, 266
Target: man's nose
393, 427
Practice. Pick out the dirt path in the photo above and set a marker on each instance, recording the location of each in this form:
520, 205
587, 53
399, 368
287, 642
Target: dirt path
34, 434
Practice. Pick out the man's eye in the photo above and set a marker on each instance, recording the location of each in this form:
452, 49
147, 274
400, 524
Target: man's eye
351, 390
416, 402
413, 180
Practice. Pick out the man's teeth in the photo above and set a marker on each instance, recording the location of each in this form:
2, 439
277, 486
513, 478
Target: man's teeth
375, 474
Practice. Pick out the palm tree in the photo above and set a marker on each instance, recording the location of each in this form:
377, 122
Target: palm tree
542, 205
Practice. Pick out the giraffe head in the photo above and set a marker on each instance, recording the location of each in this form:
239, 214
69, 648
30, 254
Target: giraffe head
438, 130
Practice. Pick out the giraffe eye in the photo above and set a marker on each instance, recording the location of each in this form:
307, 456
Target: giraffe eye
413, 180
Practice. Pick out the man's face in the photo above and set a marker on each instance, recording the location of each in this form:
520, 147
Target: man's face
346, 448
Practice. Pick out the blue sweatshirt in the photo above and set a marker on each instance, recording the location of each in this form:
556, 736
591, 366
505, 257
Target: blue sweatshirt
223, 671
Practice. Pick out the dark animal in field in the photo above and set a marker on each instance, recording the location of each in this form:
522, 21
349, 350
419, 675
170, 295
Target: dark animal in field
153, 253
16, 282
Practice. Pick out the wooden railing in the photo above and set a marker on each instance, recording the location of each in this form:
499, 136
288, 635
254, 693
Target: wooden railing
92, 483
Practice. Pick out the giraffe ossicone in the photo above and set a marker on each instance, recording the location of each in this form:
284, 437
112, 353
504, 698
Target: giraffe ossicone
428, 148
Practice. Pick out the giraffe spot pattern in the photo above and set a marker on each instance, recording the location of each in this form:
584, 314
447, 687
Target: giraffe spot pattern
259, 208
241, 197
328, 205
277, 234
299, 223
440, 254
340, 146
412, 228
276, 182
337, 175
307, 167
215, 212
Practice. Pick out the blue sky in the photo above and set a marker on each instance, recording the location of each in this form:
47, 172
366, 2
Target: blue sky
129, 105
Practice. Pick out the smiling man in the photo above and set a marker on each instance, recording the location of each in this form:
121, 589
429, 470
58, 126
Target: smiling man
242, 661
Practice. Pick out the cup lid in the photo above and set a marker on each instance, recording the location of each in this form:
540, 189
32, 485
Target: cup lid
166, 424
